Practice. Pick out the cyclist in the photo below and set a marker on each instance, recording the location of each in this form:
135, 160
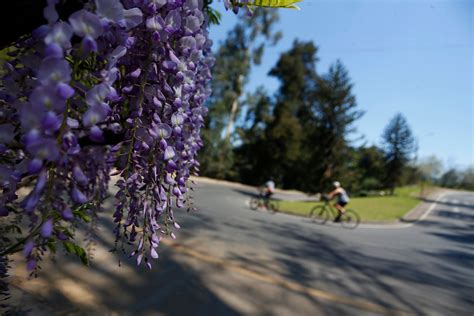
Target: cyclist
268, 190
342, 199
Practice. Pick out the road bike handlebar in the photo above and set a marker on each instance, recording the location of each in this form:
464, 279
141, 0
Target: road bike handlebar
325, 198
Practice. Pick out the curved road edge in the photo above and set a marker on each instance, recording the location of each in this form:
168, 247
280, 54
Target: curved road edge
418, 213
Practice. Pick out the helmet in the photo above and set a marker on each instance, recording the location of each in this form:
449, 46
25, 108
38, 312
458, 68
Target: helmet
336, 184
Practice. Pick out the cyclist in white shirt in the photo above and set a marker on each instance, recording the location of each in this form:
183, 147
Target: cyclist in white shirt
342, 199
268, 190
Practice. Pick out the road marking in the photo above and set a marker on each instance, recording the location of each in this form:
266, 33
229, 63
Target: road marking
454, 202
425, 215
456, 209
287, 284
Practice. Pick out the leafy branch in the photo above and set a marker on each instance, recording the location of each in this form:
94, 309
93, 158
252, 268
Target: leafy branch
281, 4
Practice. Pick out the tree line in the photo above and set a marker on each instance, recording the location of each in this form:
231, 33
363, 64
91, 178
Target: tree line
301, 135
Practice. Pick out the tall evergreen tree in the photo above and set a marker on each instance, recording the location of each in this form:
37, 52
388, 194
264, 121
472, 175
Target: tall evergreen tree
399, 145
334, 112
296, 71
304, 144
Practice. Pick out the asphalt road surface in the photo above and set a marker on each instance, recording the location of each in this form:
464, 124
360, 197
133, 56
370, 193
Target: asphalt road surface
229, 260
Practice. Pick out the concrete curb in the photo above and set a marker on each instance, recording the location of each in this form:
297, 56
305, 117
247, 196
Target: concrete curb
420, 210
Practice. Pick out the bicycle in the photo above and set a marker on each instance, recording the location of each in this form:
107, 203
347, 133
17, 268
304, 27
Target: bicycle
261, 201
321, 213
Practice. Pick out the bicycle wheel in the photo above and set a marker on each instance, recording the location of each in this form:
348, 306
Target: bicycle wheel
254, 203
319, 214
350, 219
274, 205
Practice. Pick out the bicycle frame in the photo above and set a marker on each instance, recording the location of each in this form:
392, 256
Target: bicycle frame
350, 218
262, 200
334, 211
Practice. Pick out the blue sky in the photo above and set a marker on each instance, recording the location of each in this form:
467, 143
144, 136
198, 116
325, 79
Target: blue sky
413, 57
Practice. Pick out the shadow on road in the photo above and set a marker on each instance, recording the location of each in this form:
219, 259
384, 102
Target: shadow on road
247, 192
453, 215
170, 288
346, 270
448, 203
300, 253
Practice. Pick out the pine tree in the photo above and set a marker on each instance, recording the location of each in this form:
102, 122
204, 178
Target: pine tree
399, 145
304, 143
334, 112
296, 71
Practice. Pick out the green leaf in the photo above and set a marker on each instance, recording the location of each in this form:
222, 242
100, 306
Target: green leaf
86, 218
67, 232
52, 246
81, 253
214, 16
81, 212
69, 247
84, 206
286, 4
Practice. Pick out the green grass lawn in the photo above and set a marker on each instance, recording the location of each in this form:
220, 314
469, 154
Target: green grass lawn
380, 208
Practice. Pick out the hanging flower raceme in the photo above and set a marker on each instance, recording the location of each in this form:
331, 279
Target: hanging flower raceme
165, 86
117, 84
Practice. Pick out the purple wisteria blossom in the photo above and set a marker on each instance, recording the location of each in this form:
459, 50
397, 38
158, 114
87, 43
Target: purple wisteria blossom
86, 24
133, 17
117, 85
166, 121
46, 98
59, 35
110, 10
47, 229
54, 70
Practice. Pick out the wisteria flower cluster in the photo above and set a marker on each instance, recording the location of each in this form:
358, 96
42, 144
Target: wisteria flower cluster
116, 87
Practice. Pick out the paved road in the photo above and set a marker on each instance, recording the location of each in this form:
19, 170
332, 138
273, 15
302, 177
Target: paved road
233, 261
